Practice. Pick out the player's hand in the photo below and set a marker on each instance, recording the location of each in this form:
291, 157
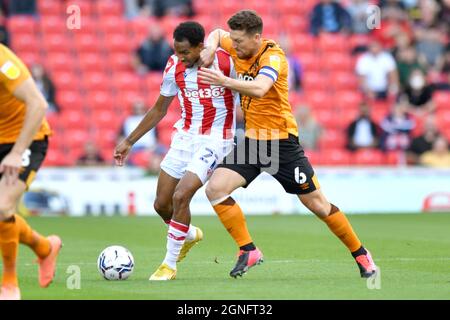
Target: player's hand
212, 76
206, 57
121, 152
10, 167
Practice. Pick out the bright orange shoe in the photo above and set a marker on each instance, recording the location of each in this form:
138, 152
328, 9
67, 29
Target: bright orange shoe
10, 293
47, 266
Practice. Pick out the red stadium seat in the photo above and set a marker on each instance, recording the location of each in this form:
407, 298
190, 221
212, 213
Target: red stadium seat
76, 138
153, 81
87, 43
86, 6
331, 42
330, 119
443, 119
291, 7
332, 139
97, 100
97, 81
113, 25
314, 157
336, 157
68, 100
335, 61
125, 99
348, 99
344, 81
105, 119
74, 119
56, 158
302, 43
315, 81
442, 100
319, 100
20, 25
89, 26
105, 137
109, 8
30, 58
369, 157
65, 80
57, 43
128, 81
358, 40
93, 62
53, 25
120, 62
394, 158
25, 43
118, 43
310, 62
50, 7
57, 62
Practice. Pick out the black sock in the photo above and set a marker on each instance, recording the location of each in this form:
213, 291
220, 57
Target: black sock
248, 247
359, 252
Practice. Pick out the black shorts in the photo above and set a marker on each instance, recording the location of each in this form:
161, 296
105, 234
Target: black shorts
283, 159
31, 159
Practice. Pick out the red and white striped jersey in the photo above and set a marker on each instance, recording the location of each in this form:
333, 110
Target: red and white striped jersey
205, 109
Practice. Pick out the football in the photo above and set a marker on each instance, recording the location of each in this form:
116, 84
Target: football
115, 263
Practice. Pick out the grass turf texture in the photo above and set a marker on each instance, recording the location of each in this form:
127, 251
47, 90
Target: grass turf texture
303, 260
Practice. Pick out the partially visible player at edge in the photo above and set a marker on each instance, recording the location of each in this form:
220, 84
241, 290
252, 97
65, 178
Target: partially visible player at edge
204, 136
268, 116
23, 145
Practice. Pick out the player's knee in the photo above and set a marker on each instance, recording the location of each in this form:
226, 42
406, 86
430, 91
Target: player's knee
181, 197
214, 191
162, 207
318, 205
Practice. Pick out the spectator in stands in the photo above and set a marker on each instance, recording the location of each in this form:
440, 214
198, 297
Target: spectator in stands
378, 73
22, 7
394, 23
135, 8
4, 34
419, 94
91, 156
295, 68
444, 84
424, 142
397, 127
311, 131
149, 142
438, 156
358, 10
329, 16
45, 85
153, 54
179, 8
430, 47
407, 61
363, 132
443, 65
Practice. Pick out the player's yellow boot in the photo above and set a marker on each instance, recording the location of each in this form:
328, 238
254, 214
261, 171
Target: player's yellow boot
189, 244
164, 272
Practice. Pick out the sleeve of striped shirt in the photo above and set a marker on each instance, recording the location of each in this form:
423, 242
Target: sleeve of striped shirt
169, 87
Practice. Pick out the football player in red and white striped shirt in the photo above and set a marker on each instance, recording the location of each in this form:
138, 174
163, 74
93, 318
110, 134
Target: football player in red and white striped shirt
203, 138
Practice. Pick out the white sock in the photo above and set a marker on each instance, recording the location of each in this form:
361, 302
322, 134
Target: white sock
176, 236
192, 233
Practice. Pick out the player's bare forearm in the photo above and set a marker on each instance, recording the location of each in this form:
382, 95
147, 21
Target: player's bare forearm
211, 45
256, 88
151, 119
36, 107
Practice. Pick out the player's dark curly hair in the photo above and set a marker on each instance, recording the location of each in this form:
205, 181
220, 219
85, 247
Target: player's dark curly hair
246, 20
191, 31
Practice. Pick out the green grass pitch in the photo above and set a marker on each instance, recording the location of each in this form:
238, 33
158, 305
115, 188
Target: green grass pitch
303, 260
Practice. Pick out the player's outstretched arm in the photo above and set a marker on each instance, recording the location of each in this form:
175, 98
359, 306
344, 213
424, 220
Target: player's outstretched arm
256, 88
150, 120
211, 45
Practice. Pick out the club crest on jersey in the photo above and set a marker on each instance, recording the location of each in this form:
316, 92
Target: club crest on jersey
10, 70
204, 93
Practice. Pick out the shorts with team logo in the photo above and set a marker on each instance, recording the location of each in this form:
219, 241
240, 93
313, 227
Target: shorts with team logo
283, 159
32, 159
199, 154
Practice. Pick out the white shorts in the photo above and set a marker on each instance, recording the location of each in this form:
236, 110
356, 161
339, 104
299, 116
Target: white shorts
199, 154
